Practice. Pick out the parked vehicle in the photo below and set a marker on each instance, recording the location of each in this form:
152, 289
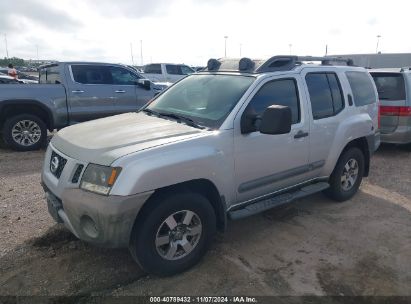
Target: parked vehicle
7, 79
25, 78
69, 93
166, 72
235, 140
394, 90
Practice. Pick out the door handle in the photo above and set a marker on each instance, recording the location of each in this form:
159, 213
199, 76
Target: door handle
301, 134
77, 91
120, 91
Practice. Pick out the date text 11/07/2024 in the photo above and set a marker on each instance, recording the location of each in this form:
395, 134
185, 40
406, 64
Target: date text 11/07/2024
235, 299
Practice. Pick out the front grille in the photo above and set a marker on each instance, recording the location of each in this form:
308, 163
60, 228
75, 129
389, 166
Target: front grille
57, 164
77, 174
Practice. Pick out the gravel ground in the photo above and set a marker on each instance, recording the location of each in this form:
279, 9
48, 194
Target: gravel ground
311, 247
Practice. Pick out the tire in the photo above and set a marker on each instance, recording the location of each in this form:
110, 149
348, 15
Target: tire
341, 187
151, 226
34, 138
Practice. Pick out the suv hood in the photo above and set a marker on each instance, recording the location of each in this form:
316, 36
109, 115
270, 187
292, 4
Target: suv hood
104, 140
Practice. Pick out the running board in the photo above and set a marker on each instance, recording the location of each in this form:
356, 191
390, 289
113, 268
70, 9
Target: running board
276, 201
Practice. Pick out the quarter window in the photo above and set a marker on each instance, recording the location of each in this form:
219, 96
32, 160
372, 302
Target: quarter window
362, 88
278, 92
325, 94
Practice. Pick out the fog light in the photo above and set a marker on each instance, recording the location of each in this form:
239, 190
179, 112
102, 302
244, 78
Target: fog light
88, 226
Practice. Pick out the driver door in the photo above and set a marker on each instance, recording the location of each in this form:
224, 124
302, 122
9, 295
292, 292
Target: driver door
267, 163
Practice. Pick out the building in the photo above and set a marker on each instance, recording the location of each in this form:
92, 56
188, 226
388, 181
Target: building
378, 61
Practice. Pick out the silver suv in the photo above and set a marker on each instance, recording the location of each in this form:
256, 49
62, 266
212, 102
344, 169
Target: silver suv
239, 138
394, 90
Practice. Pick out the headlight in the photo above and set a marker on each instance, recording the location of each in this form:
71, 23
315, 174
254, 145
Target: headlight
99, 179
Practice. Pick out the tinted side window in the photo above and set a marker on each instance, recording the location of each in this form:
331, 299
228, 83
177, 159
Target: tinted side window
152, 69
362, 88
91, 74
320, 95
122, 76
278, 92
325, 94
390, 86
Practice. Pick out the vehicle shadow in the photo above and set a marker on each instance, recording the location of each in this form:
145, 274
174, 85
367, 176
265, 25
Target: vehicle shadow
58, 264
311, 247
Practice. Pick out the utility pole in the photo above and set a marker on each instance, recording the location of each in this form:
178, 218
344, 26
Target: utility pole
37, 49
225, 46
141, 52
326, 49
378, 41
131, 51
290, 46
7, 50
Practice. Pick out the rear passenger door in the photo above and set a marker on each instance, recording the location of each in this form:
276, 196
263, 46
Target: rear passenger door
327, 103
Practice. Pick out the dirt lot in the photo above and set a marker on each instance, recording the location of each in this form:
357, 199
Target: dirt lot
312, 247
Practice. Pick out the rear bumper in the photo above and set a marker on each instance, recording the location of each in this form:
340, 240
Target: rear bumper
106, 221
402, 135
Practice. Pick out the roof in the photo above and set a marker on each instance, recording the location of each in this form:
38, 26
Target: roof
80, 62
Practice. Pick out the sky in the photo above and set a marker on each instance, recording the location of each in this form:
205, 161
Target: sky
192, 31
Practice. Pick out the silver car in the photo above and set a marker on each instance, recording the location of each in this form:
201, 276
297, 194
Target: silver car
234, 140
394, 91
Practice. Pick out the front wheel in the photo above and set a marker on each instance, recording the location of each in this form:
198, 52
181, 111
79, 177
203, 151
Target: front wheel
25, 132
347, 175
173, 233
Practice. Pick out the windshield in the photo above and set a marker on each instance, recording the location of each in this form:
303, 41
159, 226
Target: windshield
206, 99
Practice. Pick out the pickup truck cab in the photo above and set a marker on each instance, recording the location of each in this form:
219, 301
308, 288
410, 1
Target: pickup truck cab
68, 93
166, 72
229, 142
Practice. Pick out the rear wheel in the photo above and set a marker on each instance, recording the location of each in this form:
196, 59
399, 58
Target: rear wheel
173, 233
347, 175
24, 132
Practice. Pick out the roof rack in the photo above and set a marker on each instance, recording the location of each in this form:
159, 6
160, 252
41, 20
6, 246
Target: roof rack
285, 63
274, 64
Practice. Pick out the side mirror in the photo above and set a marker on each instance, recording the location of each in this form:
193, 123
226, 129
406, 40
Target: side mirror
275, 120
144, 83
249, 120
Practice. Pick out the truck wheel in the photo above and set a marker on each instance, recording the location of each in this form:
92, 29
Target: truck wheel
347, 175
173, 234
24, 132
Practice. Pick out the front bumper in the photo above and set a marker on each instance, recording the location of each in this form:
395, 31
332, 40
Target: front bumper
106, 221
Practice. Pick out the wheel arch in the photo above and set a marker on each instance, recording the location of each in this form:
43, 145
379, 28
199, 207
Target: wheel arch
10, 108
362, 144
201, 186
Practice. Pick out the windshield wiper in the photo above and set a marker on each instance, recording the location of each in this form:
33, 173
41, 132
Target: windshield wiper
186, 120
149, 111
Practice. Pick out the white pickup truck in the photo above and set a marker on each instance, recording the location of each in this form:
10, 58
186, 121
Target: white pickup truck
166, 72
